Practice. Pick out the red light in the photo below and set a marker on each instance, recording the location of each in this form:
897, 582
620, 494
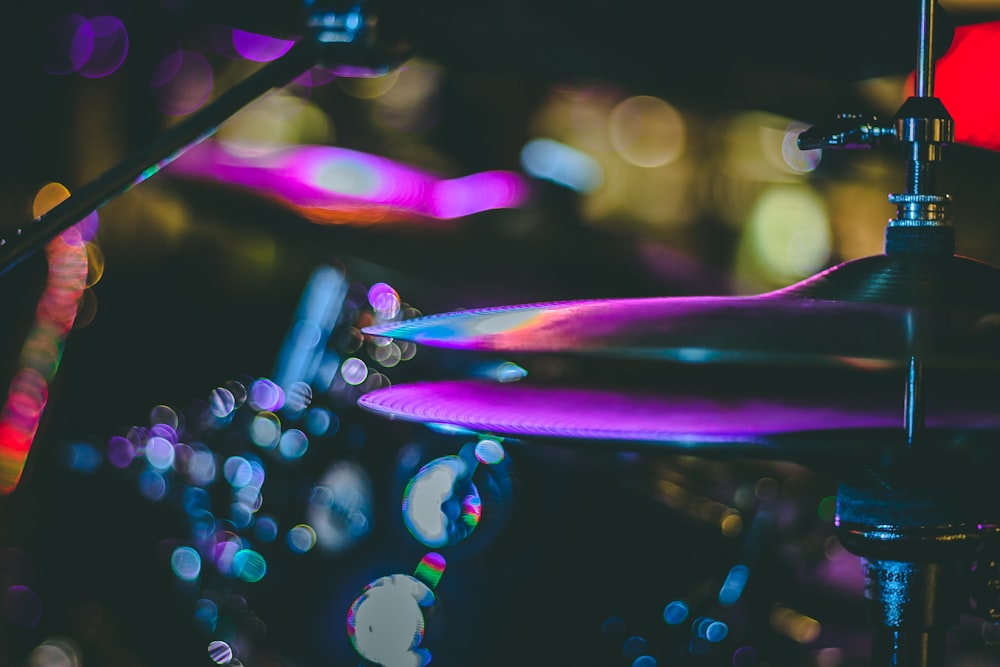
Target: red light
967, 81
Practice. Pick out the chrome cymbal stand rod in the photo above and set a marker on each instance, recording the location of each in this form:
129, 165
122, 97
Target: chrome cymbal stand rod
916, 532
923, 84
922, 225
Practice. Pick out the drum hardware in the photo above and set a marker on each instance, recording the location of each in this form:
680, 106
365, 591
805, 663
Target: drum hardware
917, 532
918, 510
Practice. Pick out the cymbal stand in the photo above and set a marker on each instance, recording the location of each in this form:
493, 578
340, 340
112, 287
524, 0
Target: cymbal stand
346, 37
917, 519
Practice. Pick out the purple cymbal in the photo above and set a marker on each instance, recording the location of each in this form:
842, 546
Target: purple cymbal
873, 312
737, 423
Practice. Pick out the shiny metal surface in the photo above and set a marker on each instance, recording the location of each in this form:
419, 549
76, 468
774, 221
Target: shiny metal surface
874, 312
742, 423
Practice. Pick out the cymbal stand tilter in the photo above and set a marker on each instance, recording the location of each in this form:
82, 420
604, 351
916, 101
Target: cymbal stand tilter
351, 38
916, 519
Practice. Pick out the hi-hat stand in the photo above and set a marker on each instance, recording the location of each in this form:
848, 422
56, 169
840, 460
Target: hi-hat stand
923, 523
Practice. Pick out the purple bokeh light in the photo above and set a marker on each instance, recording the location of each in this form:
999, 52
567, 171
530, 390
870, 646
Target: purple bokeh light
259, 48
314, 77
22, 606
67, 44
340, 180
265, 394
93, 48
110, 47
121, 452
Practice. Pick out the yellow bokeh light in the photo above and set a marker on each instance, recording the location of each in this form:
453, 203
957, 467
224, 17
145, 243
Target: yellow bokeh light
794, 625
368, 88
95, 264
787, 236
732, 523
278, 119
48, 197
646, 131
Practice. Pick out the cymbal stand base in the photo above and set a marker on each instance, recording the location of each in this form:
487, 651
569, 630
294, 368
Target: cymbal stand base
917, 528
912, 606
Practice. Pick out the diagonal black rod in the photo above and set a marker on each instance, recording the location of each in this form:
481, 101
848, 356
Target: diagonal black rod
162, 151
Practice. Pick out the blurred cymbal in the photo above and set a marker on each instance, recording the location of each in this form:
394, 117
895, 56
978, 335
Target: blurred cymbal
333, 185
874, 312
799, 423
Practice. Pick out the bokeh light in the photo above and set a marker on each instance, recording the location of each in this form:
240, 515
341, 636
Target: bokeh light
320, 421
716, 631
430, 569
368, 88
385, 623
265, 430
613, 627
237, 471
489, 451
795, 625
646, 131
159, 453
633, 647
206, 614
220, 652
66, 44
333, 185
222, 402
275, 122
82, 457
675, 613
441, 504
293, 444
56, 652
265, 394
259, 48
42, 349
384, 301
744, 656
732, 587
560, 163
182, 82
798, 160
411, 104
788, 235
354, 371
110, 47
341, 507
186, 563
249, 565
120, 451
301, 538
152, 485
265, 527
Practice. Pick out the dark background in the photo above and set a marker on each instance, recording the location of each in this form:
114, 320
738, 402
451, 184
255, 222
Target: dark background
589, 533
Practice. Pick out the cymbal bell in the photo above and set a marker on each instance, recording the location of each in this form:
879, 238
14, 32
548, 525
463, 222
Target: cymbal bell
875, 312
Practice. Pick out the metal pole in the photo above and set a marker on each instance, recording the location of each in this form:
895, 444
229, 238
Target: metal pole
923, 82
162, 151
